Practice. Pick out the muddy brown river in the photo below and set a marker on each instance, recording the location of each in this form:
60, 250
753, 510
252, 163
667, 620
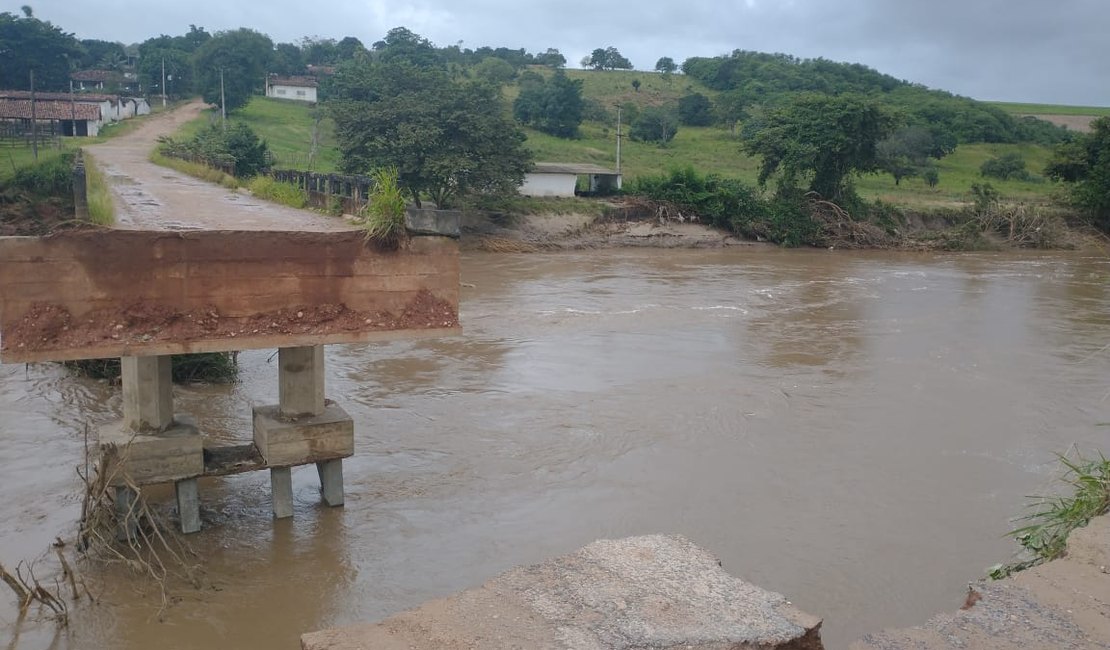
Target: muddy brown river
854, 430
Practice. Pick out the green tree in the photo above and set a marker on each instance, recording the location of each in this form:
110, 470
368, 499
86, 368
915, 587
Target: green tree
825, 138
553, 106
243, 56
105, 55
288, 59
695, 110
494, 70
28, 44
179, 72
657, 124
636, 85
907, 152
402, 45
730, 107
1004, 167
666, 65
608, 58
1084, 165
552, 58
445, 139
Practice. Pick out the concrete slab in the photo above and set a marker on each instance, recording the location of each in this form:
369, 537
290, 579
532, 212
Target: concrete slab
656, 591
154, 457
285, 441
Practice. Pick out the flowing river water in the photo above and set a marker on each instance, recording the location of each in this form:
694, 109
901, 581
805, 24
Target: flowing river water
854, 430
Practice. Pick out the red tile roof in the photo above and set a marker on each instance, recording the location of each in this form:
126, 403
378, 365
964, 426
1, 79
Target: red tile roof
47, 110
77, 97
301, 82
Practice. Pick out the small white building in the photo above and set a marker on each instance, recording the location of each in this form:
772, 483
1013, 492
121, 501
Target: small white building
300, 89
561, 179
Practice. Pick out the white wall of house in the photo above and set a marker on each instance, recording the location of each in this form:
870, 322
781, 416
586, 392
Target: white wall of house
142, 106
298, 93
549, 184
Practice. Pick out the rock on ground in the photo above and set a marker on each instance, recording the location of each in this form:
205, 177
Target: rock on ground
1060, 605
655, 591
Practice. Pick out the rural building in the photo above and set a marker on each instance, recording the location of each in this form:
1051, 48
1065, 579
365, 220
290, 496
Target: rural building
57, 117
561, 179
113, 108
301, 89
105, 80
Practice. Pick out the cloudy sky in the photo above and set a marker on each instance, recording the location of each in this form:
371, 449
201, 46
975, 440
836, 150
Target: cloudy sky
1015, 50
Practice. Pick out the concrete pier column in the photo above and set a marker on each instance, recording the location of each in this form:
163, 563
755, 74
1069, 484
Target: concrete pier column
147, 393
188, 505
331, 481
127, 513
301, 380
281, 491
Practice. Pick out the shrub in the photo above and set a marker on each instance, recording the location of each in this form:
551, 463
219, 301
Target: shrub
52, 177
269, 189
695, 110
1005, 167
655, 124
383, 218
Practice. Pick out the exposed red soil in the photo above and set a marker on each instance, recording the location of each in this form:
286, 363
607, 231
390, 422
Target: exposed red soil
49, 326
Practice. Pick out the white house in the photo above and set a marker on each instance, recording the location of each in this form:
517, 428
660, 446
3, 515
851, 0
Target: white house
301, 89
561, 179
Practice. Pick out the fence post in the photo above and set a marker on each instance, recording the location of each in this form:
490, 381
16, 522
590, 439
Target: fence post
80, 189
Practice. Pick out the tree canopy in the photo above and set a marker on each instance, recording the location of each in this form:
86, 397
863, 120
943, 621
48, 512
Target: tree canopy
824, 138
446, 139
553, 106
657, 124
606, 58
1084, 165
666, 65
243, 55
29, 44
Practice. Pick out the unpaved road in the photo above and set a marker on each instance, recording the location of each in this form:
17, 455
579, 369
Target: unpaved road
150, 197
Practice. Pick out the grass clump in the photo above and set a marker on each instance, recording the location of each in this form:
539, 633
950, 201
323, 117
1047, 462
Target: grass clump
383, 218
1044, 536
205, 367
269, 189
196, 170
101, 209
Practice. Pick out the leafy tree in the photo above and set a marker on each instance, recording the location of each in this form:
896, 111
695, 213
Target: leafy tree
636, 85
402, 45
288, 59
494, 70
348, 49
824, 138
243, 55
730, 107
657, 124
26, 44
553, 106
907, 152
552, 57
666, 65
445, 139
319, 51
102, 54
1004, 167
179, 72
608, 58
1085, 165
695, 110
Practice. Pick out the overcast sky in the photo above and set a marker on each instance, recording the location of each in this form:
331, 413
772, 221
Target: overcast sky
1015, 50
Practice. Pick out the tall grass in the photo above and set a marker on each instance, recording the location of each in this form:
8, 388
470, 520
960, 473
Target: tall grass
101, 208
1045, 533
207, 367
269, 189
383, 218
196, 170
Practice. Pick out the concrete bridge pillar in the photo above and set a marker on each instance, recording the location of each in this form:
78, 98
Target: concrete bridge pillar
151, 445
303, 428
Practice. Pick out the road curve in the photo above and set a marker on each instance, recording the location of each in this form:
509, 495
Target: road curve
151, 197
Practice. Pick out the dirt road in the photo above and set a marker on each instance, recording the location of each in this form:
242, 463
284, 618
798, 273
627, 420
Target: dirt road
150, 197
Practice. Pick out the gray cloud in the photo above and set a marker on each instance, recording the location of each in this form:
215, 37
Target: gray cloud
1017, 50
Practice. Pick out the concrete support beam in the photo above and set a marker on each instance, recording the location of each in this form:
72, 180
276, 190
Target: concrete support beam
301, 380
281, 492
285, 441
147, 393
188, 505
159, 457
127, 513
331, 481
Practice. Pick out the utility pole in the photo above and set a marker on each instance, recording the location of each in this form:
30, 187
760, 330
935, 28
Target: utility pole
163, 82
223, 110
34, 121
72, 109
618, 139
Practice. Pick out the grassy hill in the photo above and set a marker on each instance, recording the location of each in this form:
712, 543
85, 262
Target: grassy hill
1051, 109
288, 126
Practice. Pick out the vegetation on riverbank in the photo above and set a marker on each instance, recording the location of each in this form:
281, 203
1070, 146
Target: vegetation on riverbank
102, 210
205, 367
1045, 534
